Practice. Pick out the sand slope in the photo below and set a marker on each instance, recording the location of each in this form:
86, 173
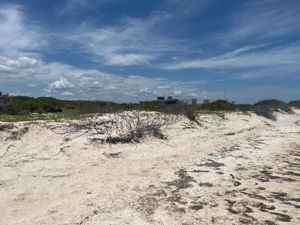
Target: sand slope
241, 170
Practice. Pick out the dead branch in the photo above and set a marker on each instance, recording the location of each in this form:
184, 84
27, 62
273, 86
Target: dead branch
7, 149
124, 127
17, 135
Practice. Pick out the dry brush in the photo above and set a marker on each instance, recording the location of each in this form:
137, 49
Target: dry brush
123, 127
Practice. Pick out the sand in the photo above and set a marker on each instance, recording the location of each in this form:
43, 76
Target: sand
241, 169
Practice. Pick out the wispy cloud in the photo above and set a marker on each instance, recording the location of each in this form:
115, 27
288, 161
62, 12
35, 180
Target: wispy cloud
67, 93
261, 20
17, 34
280, 57
63, 80
133, 42
259, 39
259, 42
60, 85
22, 67
71, 6
138, 41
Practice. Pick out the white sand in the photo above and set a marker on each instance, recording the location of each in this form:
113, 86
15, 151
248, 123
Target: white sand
242, 170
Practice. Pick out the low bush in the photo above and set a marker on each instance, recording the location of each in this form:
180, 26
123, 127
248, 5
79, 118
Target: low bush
17, 135
133, 127
265, 112
295, 104
266, 108
192, 115
275, 105
124, 127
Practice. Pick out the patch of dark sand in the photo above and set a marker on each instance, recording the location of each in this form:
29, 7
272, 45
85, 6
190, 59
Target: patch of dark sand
205, 184
254, 195
212, 163
247, 219
112, 155
235, 207
285, 199
197, 205
264, 207
236, 183
150, 202
292, 173
241, 169
282, 217
183, 181
199, 171
268, 222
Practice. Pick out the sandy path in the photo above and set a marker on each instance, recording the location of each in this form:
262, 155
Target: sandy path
240, 170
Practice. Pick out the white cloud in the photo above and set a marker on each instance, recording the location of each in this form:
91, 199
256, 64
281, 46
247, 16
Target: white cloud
129, 59
94, 84
274, 58
145, 91
21, 67
266, 19
21, 94
163, 87
132, 42
17, 34
61, 84
263, 26
111, 87
67, 93
60, 80
177, 92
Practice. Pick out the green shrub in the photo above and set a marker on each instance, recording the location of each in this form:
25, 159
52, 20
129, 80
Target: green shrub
274, 105
265, 112
295, 104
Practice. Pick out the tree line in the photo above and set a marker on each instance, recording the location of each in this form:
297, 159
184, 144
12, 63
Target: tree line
25, 105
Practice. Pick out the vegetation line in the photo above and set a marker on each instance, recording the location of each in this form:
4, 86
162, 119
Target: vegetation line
24, 108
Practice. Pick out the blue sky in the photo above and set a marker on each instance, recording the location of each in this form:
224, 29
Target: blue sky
132, 50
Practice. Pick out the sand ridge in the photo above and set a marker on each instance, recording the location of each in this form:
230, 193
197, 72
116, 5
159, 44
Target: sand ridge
243, 169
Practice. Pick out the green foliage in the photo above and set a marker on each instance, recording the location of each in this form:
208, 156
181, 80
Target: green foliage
274, 105
265, 112
5, 103
21, 108
223, 105
295, 104
266, 108
16, 105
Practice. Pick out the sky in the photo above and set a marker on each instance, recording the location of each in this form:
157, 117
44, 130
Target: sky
133, 50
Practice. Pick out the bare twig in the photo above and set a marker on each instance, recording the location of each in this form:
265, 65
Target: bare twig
124, 127
7, 149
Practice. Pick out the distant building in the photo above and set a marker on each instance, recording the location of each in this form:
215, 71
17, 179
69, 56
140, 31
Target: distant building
167, 101
171, 101
194, 101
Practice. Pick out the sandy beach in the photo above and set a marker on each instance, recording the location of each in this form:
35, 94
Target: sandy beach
237, 169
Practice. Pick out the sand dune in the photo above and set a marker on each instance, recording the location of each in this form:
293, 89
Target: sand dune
243, 169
